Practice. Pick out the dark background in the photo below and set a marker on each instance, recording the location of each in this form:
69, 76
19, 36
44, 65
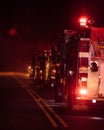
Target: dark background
29, 25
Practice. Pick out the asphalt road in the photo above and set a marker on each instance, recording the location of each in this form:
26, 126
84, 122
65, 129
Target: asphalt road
25, 106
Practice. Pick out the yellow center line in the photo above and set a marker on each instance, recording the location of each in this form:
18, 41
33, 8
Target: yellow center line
31, 92
46, 113
51, 110
36, 100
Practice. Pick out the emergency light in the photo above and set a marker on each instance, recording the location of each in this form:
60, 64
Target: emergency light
83, 21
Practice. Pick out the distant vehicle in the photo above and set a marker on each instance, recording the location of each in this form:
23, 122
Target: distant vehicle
40, 67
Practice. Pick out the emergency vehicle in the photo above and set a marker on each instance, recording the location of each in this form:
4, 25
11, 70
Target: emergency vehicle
39, 69
75, 67
80, 74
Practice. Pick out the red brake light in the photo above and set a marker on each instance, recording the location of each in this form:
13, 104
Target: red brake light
83, 91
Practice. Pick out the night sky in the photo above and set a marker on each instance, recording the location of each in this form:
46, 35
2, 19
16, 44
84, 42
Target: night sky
29, 25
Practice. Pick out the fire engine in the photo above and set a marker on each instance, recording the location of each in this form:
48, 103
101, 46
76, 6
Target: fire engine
79, 79
75, 67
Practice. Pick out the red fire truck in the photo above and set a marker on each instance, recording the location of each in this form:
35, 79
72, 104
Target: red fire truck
80, 74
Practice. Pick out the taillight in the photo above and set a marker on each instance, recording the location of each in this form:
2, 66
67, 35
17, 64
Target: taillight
83, 86
83, 91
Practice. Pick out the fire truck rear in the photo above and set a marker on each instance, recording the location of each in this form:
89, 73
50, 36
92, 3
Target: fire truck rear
80, 76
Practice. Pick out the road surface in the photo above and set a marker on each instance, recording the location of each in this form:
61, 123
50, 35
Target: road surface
25, 106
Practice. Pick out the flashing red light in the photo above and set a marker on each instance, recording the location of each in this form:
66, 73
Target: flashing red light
83, 21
